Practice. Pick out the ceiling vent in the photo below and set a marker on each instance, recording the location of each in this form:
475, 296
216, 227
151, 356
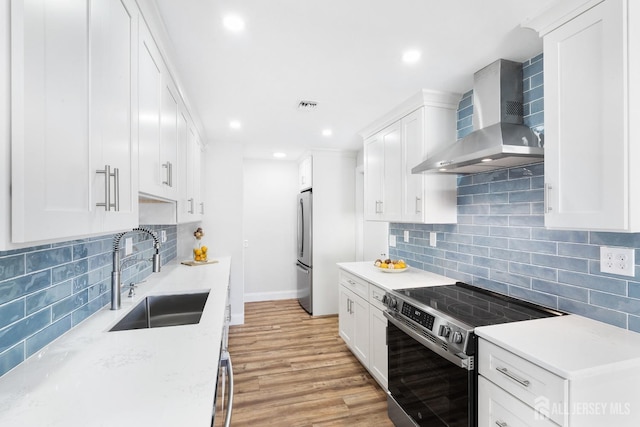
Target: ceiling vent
307, 105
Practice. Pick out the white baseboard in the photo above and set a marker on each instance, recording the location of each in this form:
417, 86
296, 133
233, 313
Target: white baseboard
270, 296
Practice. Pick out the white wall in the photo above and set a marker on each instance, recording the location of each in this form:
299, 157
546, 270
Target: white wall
270, 189
223, 185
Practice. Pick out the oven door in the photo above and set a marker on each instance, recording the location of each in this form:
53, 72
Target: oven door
428, 386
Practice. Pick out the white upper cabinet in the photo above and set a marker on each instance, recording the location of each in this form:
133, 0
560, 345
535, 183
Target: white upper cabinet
190, 202
149, 99
383, 174
114, 117
73, 147
591, 73
410, 133
305, 173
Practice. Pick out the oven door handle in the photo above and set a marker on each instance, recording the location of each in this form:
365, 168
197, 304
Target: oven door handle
466, 363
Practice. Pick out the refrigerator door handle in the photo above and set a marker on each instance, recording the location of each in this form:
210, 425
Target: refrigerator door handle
301, 268
300, 229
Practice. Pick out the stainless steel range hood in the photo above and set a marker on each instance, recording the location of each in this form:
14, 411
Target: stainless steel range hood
500, 139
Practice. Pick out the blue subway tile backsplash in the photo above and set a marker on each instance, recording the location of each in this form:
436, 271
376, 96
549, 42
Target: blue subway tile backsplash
500, 243
46, 290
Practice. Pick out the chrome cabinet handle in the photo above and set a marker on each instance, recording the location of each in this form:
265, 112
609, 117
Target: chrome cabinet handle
547, 188
191, 207
169, 167
107, 188
116, 182
107, 205
418, 205
201, 208
501, 423
505, 371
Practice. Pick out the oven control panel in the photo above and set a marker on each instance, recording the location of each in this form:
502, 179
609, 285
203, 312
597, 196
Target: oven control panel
418, 316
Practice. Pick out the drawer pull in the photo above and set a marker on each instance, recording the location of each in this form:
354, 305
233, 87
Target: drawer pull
505, 371
501, 423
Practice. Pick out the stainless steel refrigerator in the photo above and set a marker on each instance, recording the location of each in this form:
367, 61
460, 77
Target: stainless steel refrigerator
304, 251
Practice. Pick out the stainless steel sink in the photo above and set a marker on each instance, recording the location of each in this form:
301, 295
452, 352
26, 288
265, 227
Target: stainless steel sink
157, 311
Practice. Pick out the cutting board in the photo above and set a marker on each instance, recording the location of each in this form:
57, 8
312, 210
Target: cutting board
194, 263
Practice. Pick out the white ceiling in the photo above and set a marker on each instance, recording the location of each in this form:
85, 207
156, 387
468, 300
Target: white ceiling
344, 54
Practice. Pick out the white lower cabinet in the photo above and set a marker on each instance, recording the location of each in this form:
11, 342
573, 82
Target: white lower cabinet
496, 407
513, 379
362, 325
378, 358
600, 389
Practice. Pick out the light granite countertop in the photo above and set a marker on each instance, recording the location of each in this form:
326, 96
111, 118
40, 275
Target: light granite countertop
411, 278
147, 377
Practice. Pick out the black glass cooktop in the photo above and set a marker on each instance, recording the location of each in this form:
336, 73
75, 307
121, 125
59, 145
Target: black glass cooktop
475, 306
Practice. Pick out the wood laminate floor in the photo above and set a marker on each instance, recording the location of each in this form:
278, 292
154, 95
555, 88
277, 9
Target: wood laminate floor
291, 369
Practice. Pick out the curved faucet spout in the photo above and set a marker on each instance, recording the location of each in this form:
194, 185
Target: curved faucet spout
115, 273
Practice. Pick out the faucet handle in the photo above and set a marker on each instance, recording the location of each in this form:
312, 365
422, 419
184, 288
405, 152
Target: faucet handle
132, 288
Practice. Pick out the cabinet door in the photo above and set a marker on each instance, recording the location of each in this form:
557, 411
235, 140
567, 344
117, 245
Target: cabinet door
360, 313
149, 103
346, 322
586, 144
305, 170
113, 120
50, 120
378, 346
383, 174
412, 153
186, 201
392, 186
373, 177
168, 139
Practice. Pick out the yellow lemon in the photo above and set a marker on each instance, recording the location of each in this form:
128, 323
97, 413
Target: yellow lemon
204, 249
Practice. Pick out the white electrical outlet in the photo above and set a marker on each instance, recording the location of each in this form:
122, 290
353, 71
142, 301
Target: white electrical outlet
620, 261
128, 246
163, 236
392, 241
432, 238
406, 236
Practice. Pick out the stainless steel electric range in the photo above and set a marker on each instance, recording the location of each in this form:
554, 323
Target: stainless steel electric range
432, 347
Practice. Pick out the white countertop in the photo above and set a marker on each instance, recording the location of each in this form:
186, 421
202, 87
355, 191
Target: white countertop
570, 346
411, 278
147, 377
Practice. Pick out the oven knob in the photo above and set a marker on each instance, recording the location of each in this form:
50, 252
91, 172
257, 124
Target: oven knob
392, 303
444, 331
456, 338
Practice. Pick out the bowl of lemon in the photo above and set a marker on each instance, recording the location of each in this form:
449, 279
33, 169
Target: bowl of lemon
391, 266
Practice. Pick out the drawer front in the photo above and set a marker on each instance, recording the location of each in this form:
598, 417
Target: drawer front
497, 408
375, 296
355, 284
527, 381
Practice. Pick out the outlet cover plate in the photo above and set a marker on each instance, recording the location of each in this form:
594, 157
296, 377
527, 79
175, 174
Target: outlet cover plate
392, 241
432, 238
616, 260
406, 236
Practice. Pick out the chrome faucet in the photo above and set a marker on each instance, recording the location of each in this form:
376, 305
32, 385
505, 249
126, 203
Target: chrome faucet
115, 274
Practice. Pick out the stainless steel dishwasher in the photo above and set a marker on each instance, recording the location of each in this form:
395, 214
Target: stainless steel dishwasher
223, 400
223, 403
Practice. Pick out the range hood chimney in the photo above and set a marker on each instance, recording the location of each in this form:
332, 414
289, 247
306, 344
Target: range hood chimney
499, 140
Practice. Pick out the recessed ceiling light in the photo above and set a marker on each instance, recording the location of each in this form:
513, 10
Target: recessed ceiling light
487, 160
233, 23
327, 132
235, 124
411, 56
279, 155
